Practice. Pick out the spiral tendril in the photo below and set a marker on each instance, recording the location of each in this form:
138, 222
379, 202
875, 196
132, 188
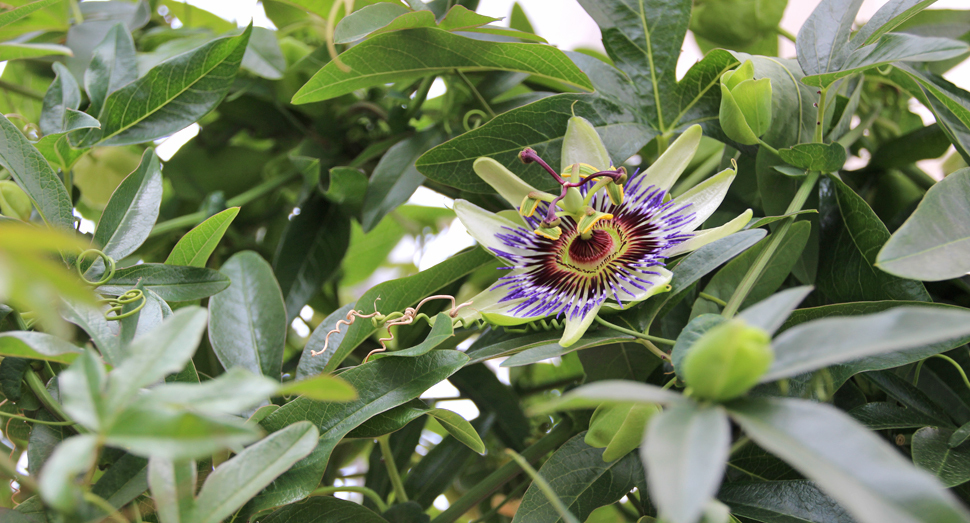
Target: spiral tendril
109, 264
118, 304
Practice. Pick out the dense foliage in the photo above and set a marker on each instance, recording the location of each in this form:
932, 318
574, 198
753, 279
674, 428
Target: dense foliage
733, 296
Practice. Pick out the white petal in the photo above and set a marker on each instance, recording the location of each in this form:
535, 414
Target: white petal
576, 327
583, 144
483, 226
671, 164
658, 283
707, 236
704, 198
504, 181
487, 302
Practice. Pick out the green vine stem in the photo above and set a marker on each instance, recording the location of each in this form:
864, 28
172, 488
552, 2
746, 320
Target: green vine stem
919, 367
551, 441
544, 486
633, 333
40, 390
400, 495
33, 420
370, 493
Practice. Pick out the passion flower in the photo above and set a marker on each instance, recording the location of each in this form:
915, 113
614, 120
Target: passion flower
602, 242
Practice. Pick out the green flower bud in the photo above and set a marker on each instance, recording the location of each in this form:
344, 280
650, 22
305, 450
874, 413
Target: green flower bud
745, 112
734, 24
727, 360
14, 202
619, 428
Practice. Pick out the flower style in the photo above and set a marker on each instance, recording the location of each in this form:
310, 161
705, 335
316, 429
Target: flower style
602, 242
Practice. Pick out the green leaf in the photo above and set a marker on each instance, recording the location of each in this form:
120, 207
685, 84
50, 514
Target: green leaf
823, 41
91, 319
581, 480
436, 471
125, 480
194, 249
235, 391
390, 421
931, 452
441, 331
62, 95
685, 453
58, 479
263, 56
11, 16
366, 20
795, 501
531, 349
723, 284
848, 249
934, 243
395, 178
960, 435
34, 175
922, 143
247, 321
598, 393
176, 434
949, 103
482, 386
37, 346
459, 428
348, 186
320, 388
19, 51
881, 415
192, 16
888, 17
770, 314
380, 385
170, 282
154, 355
393, 57
394, 295
909, 395
323, 509
244, 476
856, 467
173, 94
113, 65
824, 342
310, 251
173, 488
822, 157
131, 212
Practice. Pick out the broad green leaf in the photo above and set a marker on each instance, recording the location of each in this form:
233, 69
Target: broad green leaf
887, 18
156, 354
394, 295
242, 477
609, 392
724, 283
247, 321
441, 331
482, 386
263, 56
685, 453
770, 314
922, 143
320, 388
880, 415
323, 509
851, 237
131, 212
931, 452
793, 501
909, 395
125, 480
892, 47
459, 428
312, 247
170, 282
826, 158
37, 346
934, 243
949, 103
82, 388
11, 16
19, 51
366, 20
233, 392
824, 342
173, 94
581, 480
194, 249
176, 434
34, 175
62, 95
173, 488
380, 385
390, 421
960, 435
395, 178
43, 441
823, 41
113, 65
57, 482
394, 57
91, 319
854, 466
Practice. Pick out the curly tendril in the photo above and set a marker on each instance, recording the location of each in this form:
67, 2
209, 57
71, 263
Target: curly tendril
118, 304
466, 120
109, 264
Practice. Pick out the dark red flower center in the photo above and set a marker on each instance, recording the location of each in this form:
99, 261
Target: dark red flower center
593, 250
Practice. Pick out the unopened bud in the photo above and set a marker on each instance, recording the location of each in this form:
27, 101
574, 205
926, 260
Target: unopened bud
745, 112
727, 360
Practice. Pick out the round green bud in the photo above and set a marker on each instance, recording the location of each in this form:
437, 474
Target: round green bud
745, 112
727, 361
619, 428
14, 202
734, 24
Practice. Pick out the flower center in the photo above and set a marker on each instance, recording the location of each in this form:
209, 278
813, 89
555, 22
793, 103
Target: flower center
593, 250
